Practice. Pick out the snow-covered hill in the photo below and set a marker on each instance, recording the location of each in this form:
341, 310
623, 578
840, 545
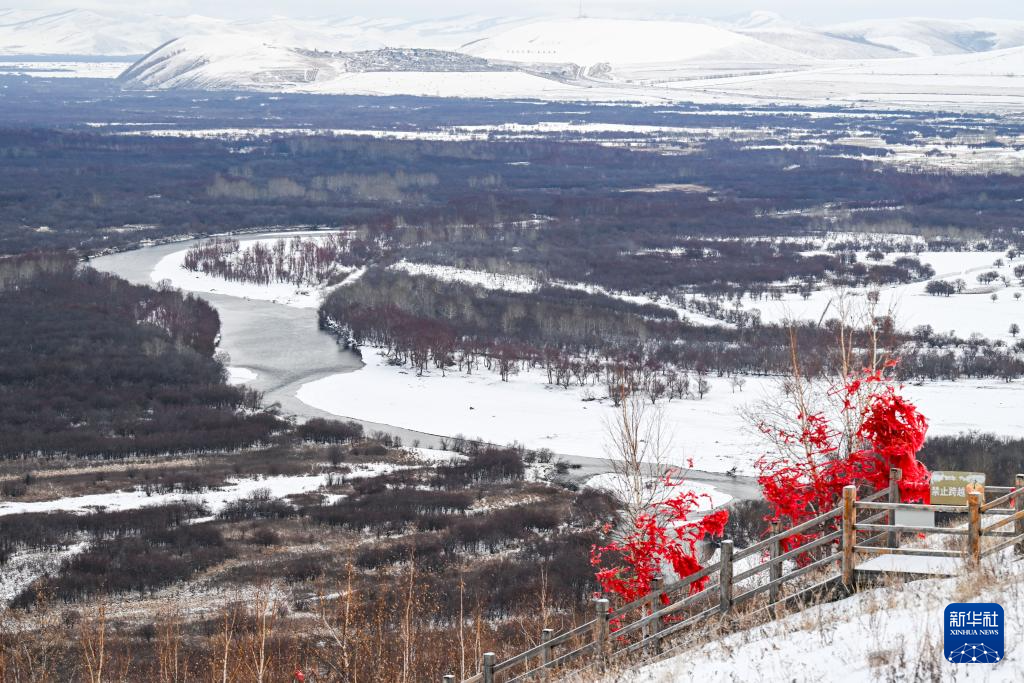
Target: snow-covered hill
97, 33
248, 63
621, 41
763, 59
85, 32
809, 41
928, 37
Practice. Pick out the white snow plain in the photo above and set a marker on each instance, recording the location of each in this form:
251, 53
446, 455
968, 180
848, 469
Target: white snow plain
711, 432
968, 313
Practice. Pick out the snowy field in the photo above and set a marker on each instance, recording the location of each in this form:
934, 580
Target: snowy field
137, 498
63, 69
708, 496
214, 499
967, 313
711, 431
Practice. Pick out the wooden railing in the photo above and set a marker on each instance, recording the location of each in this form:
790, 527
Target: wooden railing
1009, 506
670, 609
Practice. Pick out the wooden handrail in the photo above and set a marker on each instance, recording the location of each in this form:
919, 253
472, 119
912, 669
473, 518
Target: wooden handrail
1003, 545
913, 552
761, 545
912, 529
1012, 495
671, 588
1017, 516
910, 506
757, 569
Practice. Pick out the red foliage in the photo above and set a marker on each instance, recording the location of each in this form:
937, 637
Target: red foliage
663, 537
892, 431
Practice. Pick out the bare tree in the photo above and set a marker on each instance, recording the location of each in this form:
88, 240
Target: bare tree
638, 444
864, 333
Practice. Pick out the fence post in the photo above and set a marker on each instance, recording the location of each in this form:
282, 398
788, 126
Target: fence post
725, 574
1018, 527
654, 628
775, 570
973, 528
449, 678
849, 533
487, 670
601, 628
545, 652
895, 474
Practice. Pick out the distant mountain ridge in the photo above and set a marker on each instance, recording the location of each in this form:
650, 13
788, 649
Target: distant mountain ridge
762, 58
93, 33
106, 33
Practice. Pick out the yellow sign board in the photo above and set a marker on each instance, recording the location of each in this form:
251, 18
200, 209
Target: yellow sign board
951, 488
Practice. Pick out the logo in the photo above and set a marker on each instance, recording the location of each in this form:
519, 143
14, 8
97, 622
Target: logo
974, 633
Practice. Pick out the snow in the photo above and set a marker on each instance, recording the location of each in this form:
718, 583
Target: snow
903, 63
24, 567
645, 300
279, 487
63, 69
111, 32
589, 41
974, 82
511, 282
710, 431
171, 270
967, 313
876, 635
478, 278
709, 497
453, 84
237, 375
523, 409
913, 564
928, 37
435, 456
606, 60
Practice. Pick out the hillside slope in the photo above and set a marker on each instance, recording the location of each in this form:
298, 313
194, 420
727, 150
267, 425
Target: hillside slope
620, 41
886, 634
934, 37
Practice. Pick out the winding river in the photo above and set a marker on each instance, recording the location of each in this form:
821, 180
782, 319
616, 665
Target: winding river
285, 348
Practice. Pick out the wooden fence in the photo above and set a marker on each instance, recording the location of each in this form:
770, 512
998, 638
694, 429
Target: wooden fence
643, 625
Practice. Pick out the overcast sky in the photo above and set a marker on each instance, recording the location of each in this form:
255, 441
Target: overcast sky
807, 11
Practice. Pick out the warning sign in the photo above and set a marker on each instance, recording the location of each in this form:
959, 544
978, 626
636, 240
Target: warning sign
951, 488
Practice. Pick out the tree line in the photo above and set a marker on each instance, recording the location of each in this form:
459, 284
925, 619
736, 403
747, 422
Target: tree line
93, 366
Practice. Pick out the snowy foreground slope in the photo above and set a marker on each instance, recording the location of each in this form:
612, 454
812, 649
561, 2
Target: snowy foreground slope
887, 634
